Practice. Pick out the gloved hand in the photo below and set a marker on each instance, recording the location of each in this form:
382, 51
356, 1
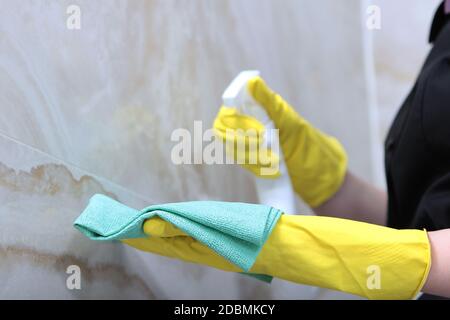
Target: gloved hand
326, 252
316, 162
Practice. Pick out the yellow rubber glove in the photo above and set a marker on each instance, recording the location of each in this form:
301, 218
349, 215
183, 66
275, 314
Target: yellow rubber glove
316, 162
359, 258
240, 131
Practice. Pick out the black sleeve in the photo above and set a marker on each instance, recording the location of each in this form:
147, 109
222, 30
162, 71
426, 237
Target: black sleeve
434, 207
436, 108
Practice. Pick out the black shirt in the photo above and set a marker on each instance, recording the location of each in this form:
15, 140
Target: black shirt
417, 148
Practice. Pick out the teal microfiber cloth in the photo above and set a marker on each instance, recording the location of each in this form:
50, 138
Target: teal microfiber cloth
236, 231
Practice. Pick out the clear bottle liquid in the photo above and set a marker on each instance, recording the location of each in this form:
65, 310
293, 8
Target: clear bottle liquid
275, 192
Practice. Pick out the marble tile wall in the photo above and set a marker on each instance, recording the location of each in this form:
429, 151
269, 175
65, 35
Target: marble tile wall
91, 110
400, 48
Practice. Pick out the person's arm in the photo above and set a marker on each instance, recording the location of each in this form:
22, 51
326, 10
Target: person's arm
370, 206
356, 200
316, 162
359, 258
438, 281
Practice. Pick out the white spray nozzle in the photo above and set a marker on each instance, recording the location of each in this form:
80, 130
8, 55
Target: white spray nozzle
237, 96
273, 192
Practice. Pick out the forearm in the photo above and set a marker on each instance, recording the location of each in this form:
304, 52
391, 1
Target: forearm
359, 258
356, 200
438, 281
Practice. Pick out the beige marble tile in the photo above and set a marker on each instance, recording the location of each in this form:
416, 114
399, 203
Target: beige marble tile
105, 99
41, 196
400, 48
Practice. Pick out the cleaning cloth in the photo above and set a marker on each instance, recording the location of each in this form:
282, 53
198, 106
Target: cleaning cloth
236, 231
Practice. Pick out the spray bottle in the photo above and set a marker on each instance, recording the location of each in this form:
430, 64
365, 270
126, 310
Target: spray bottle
275, 192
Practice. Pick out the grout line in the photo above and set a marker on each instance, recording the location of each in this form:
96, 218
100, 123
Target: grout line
367, 40
70, 164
